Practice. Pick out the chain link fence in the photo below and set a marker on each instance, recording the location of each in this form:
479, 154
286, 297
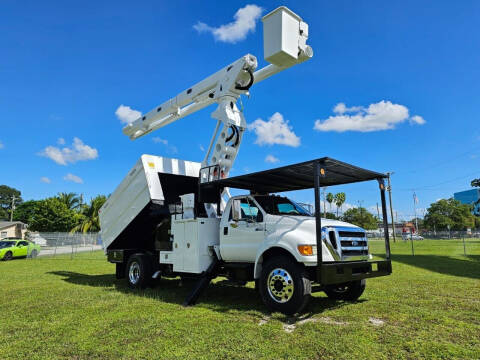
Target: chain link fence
64, 243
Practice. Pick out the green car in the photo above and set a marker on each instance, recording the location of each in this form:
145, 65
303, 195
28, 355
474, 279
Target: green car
17, 248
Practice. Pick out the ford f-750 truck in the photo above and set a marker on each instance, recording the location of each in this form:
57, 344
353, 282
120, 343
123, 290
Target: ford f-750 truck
155, 225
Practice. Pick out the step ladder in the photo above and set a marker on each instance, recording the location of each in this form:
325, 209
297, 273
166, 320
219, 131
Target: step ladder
202, 283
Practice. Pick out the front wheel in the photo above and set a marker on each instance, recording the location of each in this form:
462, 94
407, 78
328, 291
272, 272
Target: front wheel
350, 291
284, 285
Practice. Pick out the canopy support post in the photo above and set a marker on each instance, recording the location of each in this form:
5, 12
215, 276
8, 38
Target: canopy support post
385, 217
318, 218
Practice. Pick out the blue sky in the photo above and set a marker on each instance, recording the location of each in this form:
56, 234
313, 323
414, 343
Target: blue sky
66, 67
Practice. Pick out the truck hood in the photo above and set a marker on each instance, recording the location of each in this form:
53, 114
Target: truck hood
290, 231
304, 223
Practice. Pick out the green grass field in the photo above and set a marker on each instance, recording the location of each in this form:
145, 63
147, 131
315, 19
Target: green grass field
59, 308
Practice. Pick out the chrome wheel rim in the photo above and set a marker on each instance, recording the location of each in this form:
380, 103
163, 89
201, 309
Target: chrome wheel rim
280, 285
134, 273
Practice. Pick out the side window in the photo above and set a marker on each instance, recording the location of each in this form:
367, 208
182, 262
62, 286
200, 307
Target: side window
22, 243
246, 210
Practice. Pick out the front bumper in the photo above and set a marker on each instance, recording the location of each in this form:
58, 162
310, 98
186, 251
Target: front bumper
341, 272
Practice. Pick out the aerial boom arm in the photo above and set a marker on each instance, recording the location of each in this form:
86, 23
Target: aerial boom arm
285, 37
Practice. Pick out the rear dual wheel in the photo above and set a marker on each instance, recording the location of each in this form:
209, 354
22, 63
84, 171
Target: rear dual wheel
139, 271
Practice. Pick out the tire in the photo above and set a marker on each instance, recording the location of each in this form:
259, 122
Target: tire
139, 271
349, 291
33, 254
8, 256
284, 285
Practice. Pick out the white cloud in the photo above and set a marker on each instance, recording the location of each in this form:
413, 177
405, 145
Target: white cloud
126, 114
417, 119
170, 148
271, 159
158, 140
61, 141
274, 131
383, 115
245, 22
45, 180
202, 149
1, 145
73, 178
77, 152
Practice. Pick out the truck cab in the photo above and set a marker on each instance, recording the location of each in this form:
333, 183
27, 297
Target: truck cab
252, 224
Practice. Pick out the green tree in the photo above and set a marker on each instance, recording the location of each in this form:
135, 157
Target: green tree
449, 212
91, 220
331, 216
339, 200
48, 215
475, 183
71, 200
6, 195
330, 199
477, 222
361, 217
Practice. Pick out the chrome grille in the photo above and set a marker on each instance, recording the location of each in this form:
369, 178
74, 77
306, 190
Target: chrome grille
352, 242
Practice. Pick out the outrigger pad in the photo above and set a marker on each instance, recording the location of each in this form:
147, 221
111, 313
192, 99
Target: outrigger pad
202, 283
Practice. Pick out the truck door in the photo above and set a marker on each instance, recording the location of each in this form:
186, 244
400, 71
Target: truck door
242, 230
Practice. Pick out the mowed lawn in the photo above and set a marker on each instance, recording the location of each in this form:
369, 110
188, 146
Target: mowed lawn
75, 309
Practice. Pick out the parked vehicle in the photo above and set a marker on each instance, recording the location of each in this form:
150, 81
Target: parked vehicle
18, 248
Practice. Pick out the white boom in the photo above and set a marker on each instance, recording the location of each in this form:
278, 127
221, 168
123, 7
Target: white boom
285, 36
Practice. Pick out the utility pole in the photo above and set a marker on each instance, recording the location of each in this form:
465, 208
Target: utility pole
13, 208
415, 200
360, 208
389, 188
324, 203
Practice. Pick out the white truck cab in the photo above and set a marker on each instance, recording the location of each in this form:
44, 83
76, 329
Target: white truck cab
252, 224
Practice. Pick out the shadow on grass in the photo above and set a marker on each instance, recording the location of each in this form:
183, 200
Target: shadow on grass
221, 296
444, 264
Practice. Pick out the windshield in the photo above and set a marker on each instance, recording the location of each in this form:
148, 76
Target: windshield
278, 205
5, 244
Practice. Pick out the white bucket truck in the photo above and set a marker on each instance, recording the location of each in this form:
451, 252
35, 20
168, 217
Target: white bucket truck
172, 217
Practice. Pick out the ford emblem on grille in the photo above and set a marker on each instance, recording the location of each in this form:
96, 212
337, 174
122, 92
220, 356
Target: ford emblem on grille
354, 243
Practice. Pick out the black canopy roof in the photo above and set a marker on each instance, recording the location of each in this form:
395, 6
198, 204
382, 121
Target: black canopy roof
297, 177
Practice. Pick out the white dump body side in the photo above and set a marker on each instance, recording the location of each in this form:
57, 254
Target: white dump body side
138, 188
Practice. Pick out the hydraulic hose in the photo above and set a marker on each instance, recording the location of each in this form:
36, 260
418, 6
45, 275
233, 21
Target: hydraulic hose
250, 83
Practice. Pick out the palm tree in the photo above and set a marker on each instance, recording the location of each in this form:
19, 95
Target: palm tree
330, 199
91, 221
71, 200
340, 200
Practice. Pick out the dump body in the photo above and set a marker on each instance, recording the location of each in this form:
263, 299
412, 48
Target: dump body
145, 198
